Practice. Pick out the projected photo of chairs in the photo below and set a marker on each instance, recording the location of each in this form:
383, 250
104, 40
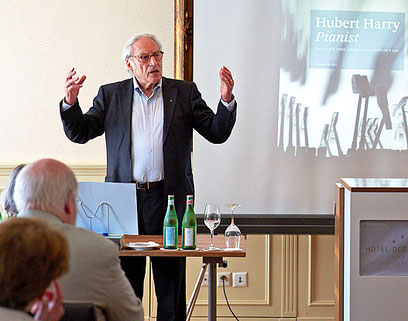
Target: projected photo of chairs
293, 122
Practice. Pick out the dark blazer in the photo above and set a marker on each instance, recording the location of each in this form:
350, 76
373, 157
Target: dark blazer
184, 110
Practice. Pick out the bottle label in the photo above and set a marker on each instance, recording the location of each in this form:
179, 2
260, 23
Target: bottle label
170, 233
189, 236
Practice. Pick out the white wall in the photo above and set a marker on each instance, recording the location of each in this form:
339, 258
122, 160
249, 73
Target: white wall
40, 42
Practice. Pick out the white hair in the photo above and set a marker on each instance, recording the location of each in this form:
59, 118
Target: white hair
127, 49
45, 187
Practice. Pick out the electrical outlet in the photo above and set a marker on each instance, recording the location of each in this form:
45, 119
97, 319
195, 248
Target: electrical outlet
227, 280
205, 280
239, 279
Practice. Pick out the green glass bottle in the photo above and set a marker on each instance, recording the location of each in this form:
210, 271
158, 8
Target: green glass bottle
189, 226
170, 226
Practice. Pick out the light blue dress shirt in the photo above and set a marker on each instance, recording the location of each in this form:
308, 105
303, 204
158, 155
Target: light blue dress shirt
147, 134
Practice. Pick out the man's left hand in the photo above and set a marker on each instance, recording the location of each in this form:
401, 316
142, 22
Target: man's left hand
227, 84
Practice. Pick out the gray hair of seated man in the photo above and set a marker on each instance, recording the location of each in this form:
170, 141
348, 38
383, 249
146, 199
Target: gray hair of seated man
44, 185
7, 200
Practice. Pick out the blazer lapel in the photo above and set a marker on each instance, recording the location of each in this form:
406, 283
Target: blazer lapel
125, 98
169, 102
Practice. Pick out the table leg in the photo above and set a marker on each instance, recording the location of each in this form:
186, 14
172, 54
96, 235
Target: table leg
212, 286
196, 290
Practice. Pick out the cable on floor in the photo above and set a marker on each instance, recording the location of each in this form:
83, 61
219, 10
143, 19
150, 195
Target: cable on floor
225, 295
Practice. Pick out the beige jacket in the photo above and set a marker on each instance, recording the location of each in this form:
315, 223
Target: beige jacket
14, 315
95, 274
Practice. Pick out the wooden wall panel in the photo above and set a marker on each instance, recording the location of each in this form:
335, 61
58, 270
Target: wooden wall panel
289, 275
259, 298
316, 277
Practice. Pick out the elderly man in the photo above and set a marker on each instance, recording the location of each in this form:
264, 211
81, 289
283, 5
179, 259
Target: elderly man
148, 122
46, 189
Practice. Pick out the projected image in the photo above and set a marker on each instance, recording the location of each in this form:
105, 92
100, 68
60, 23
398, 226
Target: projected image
343, 81
356, 39
322, 90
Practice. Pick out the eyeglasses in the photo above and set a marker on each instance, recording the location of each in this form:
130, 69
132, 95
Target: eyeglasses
145, 58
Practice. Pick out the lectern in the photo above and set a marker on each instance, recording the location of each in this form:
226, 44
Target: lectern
371, 249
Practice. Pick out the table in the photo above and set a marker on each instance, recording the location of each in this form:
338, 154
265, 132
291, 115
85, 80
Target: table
210, 258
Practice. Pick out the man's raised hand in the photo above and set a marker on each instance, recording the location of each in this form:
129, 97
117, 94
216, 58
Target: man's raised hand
72, 86
227, 84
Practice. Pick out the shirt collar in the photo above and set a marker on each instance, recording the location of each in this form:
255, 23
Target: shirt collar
139, 90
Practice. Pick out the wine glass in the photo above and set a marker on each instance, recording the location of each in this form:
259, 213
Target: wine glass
232, 233
212, 219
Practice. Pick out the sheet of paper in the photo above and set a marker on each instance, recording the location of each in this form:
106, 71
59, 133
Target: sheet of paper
107, 207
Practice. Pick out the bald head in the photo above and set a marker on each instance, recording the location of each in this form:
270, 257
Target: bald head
47, 185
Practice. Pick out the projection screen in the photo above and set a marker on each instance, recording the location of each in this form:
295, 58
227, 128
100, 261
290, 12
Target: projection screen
321, 89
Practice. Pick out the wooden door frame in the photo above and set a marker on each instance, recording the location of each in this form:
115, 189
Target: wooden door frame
183, 39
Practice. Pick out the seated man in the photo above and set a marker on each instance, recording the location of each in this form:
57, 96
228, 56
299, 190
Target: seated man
47, 189
32, 256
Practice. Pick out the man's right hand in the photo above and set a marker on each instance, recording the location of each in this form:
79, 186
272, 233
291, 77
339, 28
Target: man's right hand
72, 86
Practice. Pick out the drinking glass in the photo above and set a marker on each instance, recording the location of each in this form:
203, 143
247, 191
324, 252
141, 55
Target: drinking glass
232, 233
212, 219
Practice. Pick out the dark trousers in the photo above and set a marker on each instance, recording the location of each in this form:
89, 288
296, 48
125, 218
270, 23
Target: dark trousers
169, 274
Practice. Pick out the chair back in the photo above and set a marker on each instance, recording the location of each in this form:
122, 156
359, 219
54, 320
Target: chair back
84, 311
